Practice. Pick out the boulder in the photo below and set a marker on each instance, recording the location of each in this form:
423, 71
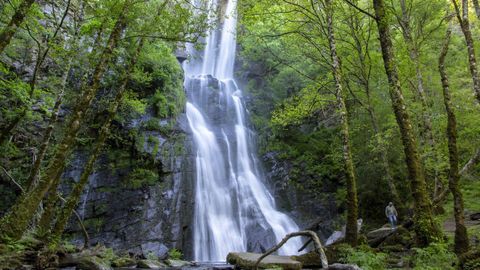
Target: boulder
124, 262
246, 260
150, 264
92, 263
310, 259
379, 233
177, 263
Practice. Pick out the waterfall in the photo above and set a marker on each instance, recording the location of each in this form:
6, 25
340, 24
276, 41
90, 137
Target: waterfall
234, 210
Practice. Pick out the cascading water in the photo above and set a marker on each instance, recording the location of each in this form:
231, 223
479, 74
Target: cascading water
233, 208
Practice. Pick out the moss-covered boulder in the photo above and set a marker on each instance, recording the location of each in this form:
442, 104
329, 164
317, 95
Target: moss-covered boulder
124, 262
93, 263
151, 264
177, 263
310, 259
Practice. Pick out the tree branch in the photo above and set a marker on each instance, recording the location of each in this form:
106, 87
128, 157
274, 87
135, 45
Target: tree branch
361, 10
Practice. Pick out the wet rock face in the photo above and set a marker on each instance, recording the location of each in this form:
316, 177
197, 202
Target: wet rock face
302, 205
149, 217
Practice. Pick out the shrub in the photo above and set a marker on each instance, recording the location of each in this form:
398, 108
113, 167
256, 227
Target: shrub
436, 256
363, 256
175, 254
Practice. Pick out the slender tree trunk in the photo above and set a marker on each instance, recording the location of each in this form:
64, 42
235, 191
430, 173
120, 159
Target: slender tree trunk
462, 17
351, 232
33, 176
17, 19
15, 222
427, 130
461, 236
365, 81
77, 190
426, 229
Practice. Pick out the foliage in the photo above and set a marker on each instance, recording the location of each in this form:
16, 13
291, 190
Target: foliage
141, 177
363, 256
434, 257
175, 254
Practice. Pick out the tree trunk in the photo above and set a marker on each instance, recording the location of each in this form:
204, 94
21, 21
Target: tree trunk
461, 236
462, 17
32, 178
427, 133
15, 222
77, 190
351, 232
426, 229
365, 82
17, 19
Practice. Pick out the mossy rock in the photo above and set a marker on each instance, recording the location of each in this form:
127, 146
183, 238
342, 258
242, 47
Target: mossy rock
124, 262
310, 259
151, 264
93, 263
401, 236
177, 263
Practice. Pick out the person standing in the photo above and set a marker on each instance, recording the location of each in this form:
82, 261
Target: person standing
391, 214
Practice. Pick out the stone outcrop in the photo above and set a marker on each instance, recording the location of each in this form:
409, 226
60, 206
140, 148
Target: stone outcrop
134, 215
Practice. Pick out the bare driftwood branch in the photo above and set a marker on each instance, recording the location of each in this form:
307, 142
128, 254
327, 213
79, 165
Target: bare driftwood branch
471, 163
86, 237
311, 234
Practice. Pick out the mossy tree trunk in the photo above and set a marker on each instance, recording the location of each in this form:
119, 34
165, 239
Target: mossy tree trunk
351, 232
426, 229
77, 190
17, 19
462, 17
33, 176
15, 222
461, 236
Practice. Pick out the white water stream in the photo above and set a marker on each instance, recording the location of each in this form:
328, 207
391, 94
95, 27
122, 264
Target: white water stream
233, 207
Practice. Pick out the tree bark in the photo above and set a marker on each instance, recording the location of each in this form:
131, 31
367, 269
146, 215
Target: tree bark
462, 17
461, 236
15, 222
33, 176
77, 190
17, 19
426, 229
351, 232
